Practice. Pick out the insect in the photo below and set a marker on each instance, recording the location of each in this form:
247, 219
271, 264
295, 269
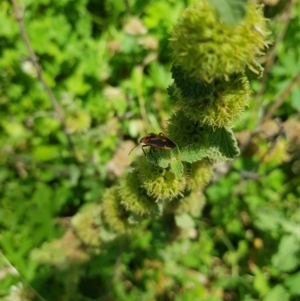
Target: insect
155, 141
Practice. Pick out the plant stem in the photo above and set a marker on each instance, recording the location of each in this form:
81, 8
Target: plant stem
280, 99
34, 60
272, 53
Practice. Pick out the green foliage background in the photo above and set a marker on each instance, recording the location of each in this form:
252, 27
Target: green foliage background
108, 63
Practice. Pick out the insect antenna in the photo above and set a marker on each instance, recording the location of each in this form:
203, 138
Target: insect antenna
134, 148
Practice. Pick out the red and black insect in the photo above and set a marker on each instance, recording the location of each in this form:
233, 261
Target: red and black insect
155, 141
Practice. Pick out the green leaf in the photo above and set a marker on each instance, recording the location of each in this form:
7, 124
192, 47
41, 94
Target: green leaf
158, 157
293, 284
286, 259
177, 168
45, 152
74, 175
8, 26
159, 75
277, 293
193, 152
260, 282
223, 143
269, 219
42, 198
14, 129
222, 146
230, 11
163, 158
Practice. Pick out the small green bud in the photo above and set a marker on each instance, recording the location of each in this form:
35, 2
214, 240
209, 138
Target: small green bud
133, 197
86, 225
114, 213
160, 183
208, 49
183, 131
198, 174
220, 109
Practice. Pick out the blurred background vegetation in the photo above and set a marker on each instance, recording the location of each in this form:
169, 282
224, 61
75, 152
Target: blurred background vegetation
108, 65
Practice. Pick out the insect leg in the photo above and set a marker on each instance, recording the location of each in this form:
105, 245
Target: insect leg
152, 149
144, 150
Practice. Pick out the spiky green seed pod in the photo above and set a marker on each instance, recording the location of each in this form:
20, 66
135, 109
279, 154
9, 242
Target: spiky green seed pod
87, 224
224, 106
185, 132
159, 183
198, 174
63, 252
208, 49
114, 213
134, 197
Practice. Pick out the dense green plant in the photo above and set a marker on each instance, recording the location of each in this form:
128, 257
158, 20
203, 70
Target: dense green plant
107, 63
208, 100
